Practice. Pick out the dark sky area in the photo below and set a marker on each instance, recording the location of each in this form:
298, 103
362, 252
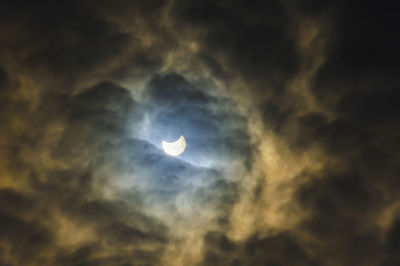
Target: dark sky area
290, 111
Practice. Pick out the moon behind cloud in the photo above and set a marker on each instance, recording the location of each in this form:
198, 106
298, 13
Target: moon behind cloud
174, 148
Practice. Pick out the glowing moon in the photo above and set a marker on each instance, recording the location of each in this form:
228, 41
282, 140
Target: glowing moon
174, 148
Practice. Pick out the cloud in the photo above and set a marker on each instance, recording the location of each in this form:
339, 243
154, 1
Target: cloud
212, 125
279, 249
289, 111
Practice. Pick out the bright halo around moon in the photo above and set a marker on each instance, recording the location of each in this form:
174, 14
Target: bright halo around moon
174, 148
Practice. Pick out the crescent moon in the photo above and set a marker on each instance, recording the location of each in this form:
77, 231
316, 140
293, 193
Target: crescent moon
174, 148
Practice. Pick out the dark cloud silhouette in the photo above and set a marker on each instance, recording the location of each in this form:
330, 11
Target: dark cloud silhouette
254, 37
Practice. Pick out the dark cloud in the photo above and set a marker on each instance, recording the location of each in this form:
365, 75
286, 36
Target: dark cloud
66, 38
254, 37
23, 232
280, 249
289, 110
358, 84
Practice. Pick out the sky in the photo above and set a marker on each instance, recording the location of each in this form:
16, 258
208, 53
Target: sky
290, 111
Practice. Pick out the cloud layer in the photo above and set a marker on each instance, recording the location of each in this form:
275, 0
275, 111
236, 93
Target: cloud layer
289, 110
